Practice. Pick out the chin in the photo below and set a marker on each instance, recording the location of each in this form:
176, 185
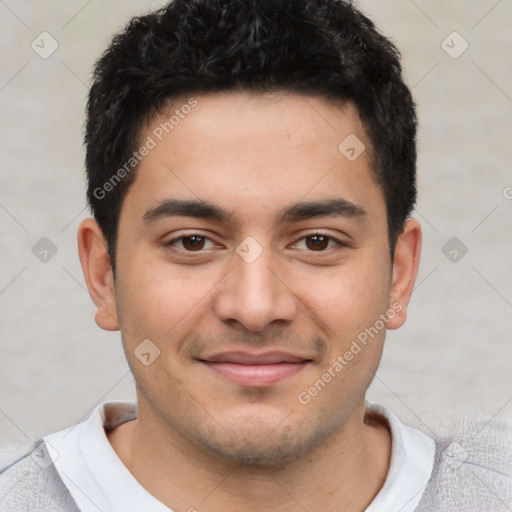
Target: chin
258, 445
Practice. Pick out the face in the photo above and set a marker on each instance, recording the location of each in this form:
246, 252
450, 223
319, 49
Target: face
253, 254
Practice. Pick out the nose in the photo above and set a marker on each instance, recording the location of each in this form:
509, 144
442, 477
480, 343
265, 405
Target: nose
253, 295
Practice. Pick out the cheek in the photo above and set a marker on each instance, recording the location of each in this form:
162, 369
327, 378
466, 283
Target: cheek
160, 302
348, 298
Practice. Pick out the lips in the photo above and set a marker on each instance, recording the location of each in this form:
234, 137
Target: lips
256, 370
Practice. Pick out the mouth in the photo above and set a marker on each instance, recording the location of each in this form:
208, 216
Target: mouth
255, 370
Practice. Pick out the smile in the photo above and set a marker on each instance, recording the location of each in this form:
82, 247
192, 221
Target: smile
256, 370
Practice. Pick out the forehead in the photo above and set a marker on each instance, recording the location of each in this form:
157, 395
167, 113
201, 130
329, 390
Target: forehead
254, 153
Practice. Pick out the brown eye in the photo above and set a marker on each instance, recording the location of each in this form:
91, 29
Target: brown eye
317, 242
193, 243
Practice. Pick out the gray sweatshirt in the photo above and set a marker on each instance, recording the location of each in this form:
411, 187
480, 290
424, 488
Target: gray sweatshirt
472, 473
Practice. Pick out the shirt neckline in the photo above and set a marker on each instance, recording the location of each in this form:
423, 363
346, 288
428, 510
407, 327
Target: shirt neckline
90, 480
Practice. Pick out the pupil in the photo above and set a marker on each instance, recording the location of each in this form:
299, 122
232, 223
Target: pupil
316, 242
193, 242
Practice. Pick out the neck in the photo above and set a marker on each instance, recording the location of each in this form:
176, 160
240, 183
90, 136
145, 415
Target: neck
344, 473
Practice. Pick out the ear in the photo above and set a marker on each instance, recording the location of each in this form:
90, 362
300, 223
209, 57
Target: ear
405, 269
95, 261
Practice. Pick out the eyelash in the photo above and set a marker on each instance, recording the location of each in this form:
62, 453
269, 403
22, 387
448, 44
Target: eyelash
339, 244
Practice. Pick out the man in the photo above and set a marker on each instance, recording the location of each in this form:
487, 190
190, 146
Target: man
251, 172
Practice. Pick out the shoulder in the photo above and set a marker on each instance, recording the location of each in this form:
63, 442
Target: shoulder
472, 469
29, 480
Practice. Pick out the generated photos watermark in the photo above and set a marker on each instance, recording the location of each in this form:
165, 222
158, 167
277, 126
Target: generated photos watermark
343, 360
150, 143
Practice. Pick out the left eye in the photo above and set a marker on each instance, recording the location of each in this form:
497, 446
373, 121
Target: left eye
318, 242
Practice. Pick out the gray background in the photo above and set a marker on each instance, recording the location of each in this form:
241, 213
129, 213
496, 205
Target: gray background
454, 353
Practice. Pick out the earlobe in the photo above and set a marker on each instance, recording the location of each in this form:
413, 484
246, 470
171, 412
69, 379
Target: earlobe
405, 269
95, 261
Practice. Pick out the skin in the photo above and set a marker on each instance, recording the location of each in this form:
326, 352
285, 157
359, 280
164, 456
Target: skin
200, 439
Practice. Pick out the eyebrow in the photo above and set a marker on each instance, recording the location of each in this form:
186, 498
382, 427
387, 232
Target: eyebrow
337, 207
187, 208
197, 208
